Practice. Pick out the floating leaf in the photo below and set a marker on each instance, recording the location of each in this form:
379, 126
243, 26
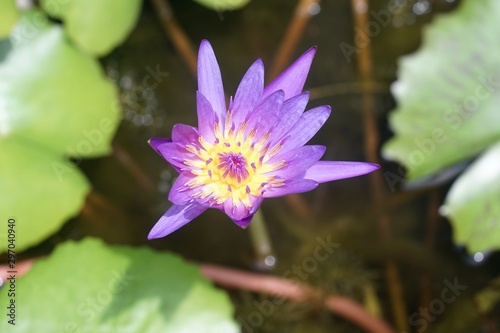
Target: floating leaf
96, 26
41, 191
31, 23
220, 5
10, 15
56, 8
448, 92
93, 287
58, 97
473, 204
55, 102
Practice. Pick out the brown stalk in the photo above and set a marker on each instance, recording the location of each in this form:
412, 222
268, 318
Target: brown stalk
432, 224
365, 69
133, 168
175, 33
293, 34
299, 292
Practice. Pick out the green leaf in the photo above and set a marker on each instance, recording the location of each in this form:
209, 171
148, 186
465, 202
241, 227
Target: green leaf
54, 95
92, 287
96, 26
40, 191
55, 102
10, 15
448, 92
473, 204
56, 8
31, 23
220, 5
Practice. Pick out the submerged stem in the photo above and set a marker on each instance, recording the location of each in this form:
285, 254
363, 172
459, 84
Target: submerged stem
261, 242
299, 292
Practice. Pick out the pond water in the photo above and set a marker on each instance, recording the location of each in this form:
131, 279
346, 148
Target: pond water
131, 186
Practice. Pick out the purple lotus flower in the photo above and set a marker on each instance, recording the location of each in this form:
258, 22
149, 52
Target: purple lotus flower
254, 149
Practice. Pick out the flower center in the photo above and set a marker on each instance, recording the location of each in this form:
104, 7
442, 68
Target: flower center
233, 167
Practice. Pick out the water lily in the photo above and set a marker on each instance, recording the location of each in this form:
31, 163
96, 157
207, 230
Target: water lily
252, 150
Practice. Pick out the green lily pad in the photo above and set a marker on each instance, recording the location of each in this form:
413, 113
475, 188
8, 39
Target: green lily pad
54, 95
220, 5
96, 26
41, 191
10, 15
448, 92
55, 102
56, 8
92, 287
472, 204
29, 26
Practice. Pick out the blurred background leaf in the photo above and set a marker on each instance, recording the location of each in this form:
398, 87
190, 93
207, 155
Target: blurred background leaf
448, 96
447, 92
473, 206
125, 290
96, 26
58, 97
10, 15
220, 5
55, 103
44, 190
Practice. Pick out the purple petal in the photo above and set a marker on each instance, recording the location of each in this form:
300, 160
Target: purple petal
265, 115
155, 142
296, 161
243, 223
210, 80
291, 186
184, 134
236, 211
174, 153
325, 171
290, 113
292, 80
174, 218
205, 117
181, 194
306, 127
249, 92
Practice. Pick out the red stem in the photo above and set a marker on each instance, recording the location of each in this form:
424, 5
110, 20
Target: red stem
300, 292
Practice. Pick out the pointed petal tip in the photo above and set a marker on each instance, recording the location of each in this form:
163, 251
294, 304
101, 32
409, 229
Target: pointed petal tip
311, 51
152, 236
326, 171
245, 222
375, 166
293, 78
156, 142
205, 43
